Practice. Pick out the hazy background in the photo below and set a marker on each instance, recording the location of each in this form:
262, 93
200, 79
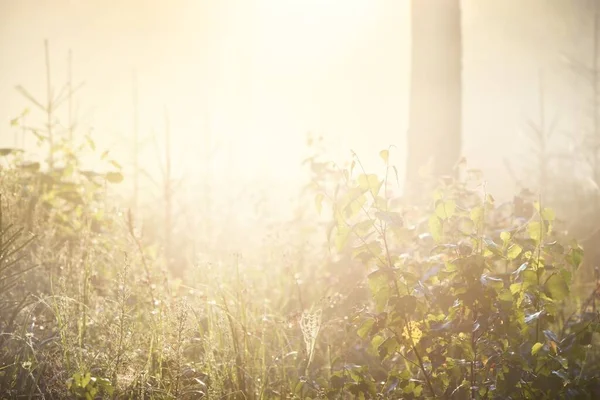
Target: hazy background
258, 75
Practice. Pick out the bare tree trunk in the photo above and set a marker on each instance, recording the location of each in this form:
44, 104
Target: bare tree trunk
434, 137
595, 116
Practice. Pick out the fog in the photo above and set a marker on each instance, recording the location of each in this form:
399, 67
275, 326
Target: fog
299, 199
249, 79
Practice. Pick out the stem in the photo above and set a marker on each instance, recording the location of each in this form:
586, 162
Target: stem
143, 258
429, 384
86, 282
70, 95
596, 133
208, 157
238, 358
167, 190
49, 107
136, 166
537, 266
414, 347
474, 348
122, 313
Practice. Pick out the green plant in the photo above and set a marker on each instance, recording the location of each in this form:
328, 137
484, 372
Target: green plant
467, 303
445, 296
13, 266
85, 386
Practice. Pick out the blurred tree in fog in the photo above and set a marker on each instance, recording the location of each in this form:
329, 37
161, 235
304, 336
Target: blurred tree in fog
434, 137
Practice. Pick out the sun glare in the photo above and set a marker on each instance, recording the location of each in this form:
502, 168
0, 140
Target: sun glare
222, 199
270, 77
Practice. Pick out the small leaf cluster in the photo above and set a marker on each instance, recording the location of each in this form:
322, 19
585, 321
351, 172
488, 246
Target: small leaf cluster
88, 387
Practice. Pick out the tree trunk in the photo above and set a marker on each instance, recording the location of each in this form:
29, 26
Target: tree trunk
434, 137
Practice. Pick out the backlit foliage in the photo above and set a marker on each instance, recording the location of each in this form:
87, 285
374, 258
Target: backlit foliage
443, 295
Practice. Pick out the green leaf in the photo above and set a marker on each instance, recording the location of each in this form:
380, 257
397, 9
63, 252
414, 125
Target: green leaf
384, 154
355, 205
71, 196
319, 202
114, 177
519, 270
551, 335
396, 173
392, 218
535, 348
341, 237
299, 386
435, 228
496, 283
445, 209
380, 288
492, 247
7, 151
369, 183
535, 231
367, 252
530, 277
380, 203
365, 328
418, 390
516, 288
91, 142
548, 214
506, 295
514, 251
533, 317
412, 332
375, 343
562, 375
555, 248
505, 236
115, 164
388, 347
39, 136
556, 287
477, 215
86, 379
405, 304
575, 257
408, 389
363, 228
30, 166
465, 226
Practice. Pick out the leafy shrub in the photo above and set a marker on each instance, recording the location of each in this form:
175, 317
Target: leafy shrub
469, 297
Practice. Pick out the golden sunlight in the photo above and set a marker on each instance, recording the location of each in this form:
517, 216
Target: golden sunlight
299, 199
